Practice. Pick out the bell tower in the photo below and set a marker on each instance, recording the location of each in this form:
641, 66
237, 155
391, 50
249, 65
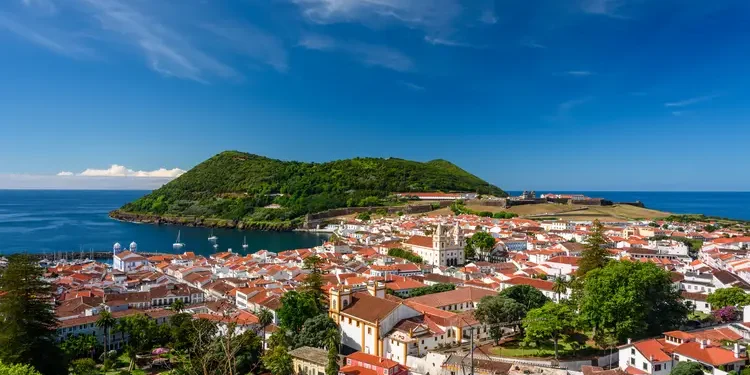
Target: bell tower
341, 297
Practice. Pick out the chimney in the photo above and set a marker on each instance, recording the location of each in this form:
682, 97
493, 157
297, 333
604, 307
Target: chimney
630, 341
736, 350
703, 344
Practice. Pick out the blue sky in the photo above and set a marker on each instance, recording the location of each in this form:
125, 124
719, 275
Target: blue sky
558, 94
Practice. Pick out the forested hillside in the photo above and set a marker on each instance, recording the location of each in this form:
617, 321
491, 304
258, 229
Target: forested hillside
244, 187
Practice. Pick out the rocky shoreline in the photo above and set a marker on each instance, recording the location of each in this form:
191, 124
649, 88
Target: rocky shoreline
187, 221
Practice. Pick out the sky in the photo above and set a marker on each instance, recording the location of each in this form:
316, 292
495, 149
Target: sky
558, 94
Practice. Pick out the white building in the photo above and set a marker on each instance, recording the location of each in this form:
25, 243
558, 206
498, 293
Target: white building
444, 248
128, 261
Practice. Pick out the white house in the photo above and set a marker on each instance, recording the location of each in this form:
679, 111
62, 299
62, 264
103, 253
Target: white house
127, 261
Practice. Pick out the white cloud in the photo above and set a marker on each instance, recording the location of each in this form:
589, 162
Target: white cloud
365, 53
579, 73
412, 86
608, 8
166, 50
46, 6
253, 42
170, 45
65, 173
432, 16
687, 102
449, 42
121, 171
530, 43
45, 37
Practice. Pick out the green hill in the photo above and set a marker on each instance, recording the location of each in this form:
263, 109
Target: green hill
237, 186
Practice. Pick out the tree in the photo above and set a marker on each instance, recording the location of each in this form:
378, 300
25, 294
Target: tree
296, 308
480, 242
526, 295
278, 361
631, 300
314, 331
498, 311
594, 254
17, 369
437, 288
178, 305
141, 331
106, 322
80, 346
83, 366
249, 350
551, 321
332, 343
28, 321
313, 282
726, 314
560, 287
265, 317
723, 297
687, 368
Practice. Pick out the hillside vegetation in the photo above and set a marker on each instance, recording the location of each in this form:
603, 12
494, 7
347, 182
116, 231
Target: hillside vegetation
240, 187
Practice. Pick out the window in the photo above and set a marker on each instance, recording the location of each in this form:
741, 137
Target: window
645, 366
632, 361
369, 330
358, 323
657, 367
632, 350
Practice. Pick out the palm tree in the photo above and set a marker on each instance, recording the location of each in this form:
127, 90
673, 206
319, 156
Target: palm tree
332, 343
178, 305
265, 317
560, 287
106, 322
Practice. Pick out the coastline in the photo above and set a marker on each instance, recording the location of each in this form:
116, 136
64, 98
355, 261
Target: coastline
191, 221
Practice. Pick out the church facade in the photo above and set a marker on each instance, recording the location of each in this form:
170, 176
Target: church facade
444, 248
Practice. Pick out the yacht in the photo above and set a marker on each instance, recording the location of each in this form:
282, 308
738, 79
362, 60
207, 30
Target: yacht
177, 245
244, 243
213, 238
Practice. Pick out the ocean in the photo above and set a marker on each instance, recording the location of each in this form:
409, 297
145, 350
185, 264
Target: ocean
38, 221
733, 205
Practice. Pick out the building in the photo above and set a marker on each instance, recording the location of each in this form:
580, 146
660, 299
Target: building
444, 248
364, 318
717, 350
127, 261
367, 364
309, 361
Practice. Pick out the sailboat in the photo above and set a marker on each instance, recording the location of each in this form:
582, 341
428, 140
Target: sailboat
213, 238
177, 245
244, 243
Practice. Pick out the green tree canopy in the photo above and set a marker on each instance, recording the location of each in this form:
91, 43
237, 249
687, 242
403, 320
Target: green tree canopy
631, 300
551, 321
728, 297
296, 308
278, 361
314, 331
498, 311
594, 254
526, 295
687, 368
83, 366
17, 369
80, 346
28, 322
436, 288
480, 242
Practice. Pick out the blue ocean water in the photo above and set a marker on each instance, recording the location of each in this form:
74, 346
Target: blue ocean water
38, 221
70, 220
734, 205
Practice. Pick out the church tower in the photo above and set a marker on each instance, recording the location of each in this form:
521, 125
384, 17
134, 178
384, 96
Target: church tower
458, 237
438, 240
341, 297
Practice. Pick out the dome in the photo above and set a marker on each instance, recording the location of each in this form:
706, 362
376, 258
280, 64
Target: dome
133, 246
117, 246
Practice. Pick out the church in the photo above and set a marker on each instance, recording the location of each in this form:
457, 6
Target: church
444, 248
